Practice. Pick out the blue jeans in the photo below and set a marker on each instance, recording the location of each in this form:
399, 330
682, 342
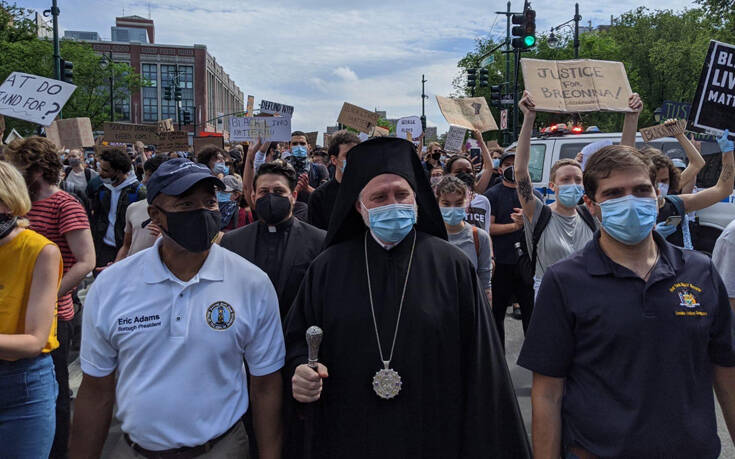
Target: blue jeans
28, 393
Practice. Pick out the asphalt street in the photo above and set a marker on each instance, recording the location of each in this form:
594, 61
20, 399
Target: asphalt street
521, 382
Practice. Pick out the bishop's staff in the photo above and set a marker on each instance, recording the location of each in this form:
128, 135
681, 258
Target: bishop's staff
314, 336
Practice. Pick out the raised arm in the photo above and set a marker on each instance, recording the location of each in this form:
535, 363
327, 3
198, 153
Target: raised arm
696, 163
724, 186
630, 125
248, 173
487, 164
523, 156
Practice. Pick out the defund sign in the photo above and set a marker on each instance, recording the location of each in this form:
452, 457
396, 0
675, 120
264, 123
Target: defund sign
33, 98
713, 108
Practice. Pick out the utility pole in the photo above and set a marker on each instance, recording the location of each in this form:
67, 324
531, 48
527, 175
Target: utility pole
577, 18
57, 53
112, 88
423, 103
507, 66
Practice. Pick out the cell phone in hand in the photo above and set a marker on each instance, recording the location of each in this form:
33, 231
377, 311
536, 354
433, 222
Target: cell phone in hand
674, 220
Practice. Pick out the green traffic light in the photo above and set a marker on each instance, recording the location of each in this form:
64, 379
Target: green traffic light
529, 40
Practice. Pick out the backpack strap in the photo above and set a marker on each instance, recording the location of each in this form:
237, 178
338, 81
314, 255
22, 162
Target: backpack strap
677, 202
87, 174
476, 238
587, 217
543, 221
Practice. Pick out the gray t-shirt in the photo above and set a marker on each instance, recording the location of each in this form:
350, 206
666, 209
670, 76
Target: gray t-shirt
562, 237
723, 256
465, 241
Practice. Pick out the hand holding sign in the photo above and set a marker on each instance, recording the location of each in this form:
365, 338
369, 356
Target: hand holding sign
725, 143
33, 98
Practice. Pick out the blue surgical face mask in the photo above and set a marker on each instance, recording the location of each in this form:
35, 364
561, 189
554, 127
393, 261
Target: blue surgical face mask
453, 215
496, 163
223, 196
298, 151
629, 219
344, 165
570, 194
393, 222
220, 168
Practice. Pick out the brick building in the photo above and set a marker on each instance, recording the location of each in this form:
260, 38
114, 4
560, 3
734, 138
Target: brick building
207, 90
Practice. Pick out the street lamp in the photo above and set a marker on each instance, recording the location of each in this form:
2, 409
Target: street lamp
555, 42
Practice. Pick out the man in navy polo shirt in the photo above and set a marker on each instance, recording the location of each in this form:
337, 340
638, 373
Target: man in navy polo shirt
630, 334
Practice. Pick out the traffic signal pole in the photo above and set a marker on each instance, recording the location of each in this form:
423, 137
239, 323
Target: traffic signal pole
507, 64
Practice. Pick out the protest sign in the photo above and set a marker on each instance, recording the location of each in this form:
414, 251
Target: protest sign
201, 142
327, 139
173, 141
277, 129
33, 98
713, 108
358, 118
311, 138
582, 85
379, 131
455, 137
661, 130
273, 108
408, 124
166, 125
131, 133
71, 133
493, 145
250, 107
469, 113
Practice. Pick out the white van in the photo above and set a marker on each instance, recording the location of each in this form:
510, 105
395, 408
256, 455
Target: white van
709, 223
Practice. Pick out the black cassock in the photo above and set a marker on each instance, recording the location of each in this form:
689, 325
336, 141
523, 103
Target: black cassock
457, 399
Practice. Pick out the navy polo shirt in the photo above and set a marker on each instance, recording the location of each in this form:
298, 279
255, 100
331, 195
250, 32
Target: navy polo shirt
637, 356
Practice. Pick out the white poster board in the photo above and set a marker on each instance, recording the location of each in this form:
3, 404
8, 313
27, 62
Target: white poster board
272, 129
33, 98
455, 137
408, 124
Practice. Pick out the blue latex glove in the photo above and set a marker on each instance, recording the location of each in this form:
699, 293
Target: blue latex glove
665, 230
725, 143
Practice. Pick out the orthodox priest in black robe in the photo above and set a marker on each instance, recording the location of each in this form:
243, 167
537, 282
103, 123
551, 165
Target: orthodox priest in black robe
444, 390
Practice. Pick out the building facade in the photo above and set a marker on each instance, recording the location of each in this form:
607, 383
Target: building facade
207, 90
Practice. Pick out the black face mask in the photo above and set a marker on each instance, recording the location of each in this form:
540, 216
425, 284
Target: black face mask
193, 230
273, 208
436, 156
468, 179
7, 224
509, 174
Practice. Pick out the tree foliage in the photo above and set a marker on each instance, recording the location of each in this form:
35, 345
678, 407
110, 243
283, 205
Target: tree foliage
662, 50
16, 23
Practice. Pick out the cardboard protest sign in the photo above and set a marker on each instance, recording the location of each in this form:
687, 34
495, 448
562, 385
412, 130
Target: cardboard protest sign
327, 138
311, 138
455, 138
713, 108
173, 141
469, 113
166, 125
409, 124
656, 132
358, 118
273, 108
71, 133
493, 145
201, 142
276, 129
131, 133
33, 98
379, 131
582, 85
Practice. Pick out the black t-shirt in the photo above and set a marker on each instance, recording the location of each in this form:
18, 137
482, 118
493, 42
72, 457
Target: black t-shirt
502, 201
321, 203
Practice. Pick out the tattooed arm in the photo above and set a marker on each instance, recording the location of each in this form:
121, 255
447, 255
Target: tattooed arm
523, 156
721, 190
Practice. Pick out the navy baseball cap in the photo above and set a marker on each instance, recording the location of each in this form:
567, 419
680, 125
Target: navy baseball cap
506, 155
175, 176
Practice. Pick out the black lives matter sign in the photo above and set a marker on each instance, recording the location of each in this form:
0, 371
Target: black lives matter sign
713, 108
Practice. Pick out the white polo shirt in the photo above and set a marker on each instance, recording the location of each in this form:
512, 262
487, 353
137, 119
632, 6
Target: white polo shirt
178, 347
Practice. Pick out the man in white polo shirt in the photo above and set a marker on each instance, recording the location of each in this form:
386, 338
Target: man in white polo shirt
174, 322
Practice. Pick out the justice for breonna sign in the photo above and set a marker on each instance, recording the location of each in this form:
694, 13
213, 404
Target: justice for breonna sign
713, 108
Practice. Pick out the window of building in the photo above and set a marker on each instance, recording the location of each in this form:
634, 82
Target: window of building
150, 93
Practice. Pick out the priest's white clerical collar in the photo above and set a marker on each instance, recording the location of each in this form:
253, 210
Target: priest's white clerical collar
386, 246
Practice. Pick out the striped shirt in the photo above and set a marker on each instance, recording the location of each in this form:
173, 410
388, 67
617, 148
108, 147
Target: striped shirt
53, 217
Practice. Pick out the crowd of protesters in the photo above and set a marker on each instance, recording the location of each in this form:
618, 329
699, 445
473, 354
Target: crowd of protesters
207, 267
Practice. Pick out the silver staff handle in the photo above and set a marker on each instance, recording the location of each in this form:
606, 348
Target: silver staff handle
314, 336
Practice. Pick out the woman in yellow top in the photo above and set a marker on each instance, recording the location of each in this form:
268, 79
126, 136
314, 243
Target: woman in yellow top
30, 273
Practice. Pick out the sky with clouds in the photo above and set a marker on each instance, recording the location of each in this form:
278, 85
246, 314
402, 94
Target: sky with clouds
317, 54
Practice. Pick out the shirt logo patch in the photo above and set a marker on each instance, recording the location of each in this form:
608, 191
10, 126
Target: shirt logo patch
220, 315
688, 300
687, 295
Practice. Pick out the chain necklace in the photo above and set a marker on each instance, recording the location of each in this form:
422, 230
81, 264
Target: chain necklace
387, 382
